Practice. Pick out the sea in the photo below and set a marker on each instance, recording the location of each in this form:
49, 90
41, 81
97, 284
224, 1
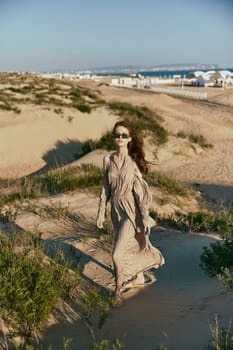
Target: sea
161, 73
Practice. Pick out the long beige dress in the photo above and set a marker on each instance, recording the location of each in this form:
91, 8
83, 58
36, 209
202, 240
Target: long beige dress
130, 197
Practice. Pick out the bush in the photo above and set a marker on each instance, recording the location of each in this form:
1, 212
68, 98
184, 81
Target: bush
201, 221
82, 107
221, 221
30, 283
63, 180
168, 183
217, 260
86, 176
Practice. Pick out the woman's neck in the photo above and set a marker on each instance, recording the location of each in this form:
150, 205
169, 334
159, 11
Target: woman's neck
122, 152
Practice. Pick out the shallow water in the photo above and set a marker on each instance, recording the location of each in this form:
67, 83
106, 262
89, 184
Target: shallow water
178, 309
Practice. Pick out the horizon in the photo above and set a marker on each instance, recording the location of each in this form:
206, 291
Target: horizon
52, 35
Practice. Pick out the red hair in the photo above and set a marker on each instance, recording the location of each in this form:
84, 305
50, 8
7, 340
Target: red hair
135, 146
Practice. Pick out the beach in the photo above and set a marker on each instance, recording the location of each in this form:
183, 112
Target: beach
179, 307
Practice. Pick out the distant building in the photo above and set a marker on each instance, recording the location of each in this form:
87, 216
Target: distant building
210, 78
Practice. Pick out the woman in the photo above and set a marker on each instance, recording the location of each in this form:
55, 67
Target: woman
129, 194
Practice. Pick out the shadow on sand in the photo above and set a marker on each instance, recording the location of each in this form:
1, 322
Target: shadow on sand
62, 154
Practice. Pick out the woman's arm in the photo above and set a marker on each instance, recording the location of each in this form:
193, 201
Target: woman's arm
104, 194
143, 199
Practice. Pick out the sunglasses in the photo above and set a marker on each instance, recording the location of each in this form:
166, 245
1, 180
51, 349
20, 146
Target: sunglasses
120, 136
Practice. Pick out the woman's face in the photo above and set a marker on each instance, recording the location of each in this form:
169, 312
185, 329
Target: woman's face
121, 136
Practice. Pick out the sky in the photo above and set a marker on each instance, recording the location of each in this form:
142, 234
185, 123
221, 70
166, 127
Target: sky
45, 35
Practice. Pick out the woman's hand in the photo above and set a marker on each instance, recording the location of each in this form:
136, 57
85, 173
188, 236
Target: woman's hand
146, 230
99, 223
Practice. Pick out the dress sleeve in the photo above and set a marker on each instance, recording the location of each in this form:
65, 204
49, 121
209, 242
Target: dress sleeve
143, 198
105, 191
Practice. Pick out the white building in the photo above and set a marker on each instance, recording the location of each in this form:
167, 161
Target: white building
210, 78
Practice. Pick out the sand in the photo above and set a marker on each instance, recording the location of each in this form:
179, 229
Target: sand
38, 137
179, 307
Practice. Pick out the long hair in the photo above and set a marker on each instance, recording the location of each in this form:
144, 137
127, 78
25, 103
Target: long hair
135, 146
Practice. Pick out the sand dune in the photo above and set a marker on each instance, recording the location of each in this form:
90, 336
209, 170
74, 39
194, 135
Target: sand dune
38, 136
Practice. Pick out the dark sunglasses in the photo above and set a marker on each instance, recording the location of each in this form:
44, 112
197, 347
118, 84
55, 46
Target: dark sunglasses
120, 136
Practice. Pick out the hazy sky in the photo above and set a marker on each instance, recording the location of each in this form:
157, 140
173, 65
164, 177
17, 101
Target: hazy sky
81, 34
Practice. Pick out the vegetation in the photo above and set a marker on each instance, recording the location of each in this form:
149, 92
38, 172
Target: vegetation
86, 176
222, 338
63, 180
200, 221
216, 260
195, 138
27, 88
105, 142
168, 183
31, 284
143, 120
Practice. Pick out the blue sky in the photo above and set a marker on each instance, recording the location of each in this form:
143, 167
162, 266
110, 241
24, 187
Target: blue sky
80, 34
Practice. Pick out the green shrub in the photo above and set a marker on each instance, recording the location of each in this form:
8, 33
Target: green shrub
226, 277
63, 180
86, 176
168, 183
217, 260
200, 221
30, 283
220, 221
82, 107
